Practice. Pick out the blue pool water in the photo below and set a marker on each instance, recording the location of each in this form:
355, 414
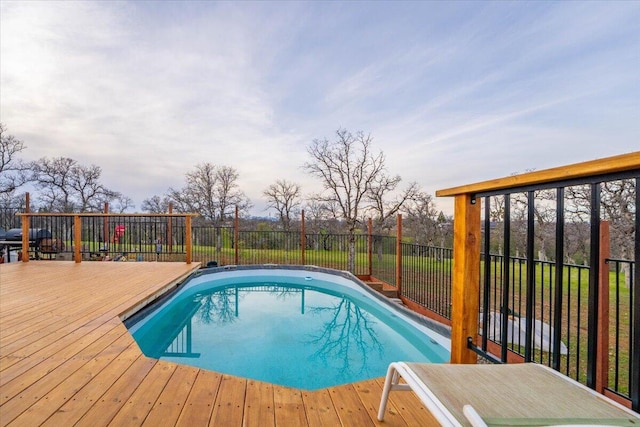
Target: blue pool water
292, 327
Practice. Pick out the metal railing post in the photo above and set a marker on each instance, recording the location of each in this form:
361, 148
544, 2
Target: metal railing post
602, 355
594, 275
634, 358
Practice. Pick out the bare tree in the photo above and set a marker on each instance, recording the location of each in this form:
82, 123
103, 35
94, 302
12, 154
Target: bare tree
121, 203
617, 201
229, 194
212, 191
284, 197
544, 217
66, 186
156, 204
348, 169
12, 169
382, 208
422, 218
321, 223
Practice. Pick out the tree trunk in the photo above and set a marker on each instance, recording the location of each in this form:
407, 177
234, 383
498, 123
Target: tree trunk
352, 252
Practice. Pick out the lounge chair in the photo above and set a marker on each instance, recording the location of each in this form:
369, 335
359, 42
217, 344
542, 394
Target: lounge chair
525, 394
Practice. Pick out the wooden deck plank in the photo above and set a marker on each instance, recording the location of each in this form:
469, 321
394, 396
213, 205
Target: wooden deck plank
259, 406
67, 359
52, 401
369, 393
91, 393
103, 411
229, 406
170, 403
409, 407
55, 355
349, 407
135, 411
199, 405
45, 376
289, 407
319, 408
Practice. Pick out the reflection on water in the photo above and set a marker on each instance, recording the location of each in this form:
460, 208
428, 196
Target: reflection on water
293, 336
348, 336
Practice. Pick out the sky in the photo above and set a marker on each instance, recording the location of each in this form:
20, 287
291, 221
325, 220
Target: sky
452, 92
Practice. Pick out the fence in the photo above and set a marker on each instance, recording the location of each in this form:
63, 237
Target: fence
532, 310
542, 311
88, 236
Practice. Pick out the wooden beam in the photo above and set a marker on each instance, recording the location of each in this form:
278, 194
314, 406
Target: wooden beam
399, 254
236, 237
187, 226
621, 163
303, 238
370, 247
466, 278
25, 231
77, 238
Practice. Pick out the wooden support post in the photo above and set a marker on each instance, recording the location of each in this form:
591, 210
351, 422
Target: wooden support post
26, 221
303, 238
77, 238
236, 237
105, 230
370, 247
466, 280
187, 226
169, 238
399, 255
602, 354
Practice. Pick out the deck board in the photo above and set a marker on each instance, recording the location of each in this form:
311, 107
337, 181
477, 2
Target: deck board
171, 401
67, 359
258, 405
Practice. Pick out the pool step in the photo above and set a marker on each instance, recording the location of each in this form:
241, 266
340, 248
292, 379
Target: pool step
388, 291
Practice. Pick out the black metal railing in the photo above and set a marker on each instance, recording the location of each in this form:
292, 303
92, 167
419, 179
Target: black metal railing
552, 337
551, 312
384, 258
621, 312
426, 277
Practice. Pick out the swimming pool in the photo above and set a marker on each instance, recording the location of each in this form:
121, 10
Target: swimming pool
302, 327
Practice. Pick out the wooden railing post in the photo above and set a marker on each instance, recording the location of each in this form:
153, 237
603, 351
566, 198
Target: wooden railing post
370, 247
399, 255
170, 229
466, 278
602, 354
105, 230
187, 226
26, 221
236, 237
303, 238
77, 238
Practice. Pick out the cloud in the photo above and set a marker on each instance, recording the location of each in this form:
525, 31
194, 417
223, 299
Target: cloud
147, 90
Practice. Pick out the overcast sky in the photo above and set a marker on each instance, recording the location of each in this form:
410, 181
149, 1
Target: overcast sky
452, 92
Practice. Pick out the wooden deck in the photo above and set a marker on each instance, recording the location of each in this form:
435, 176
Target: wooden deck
67, 359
